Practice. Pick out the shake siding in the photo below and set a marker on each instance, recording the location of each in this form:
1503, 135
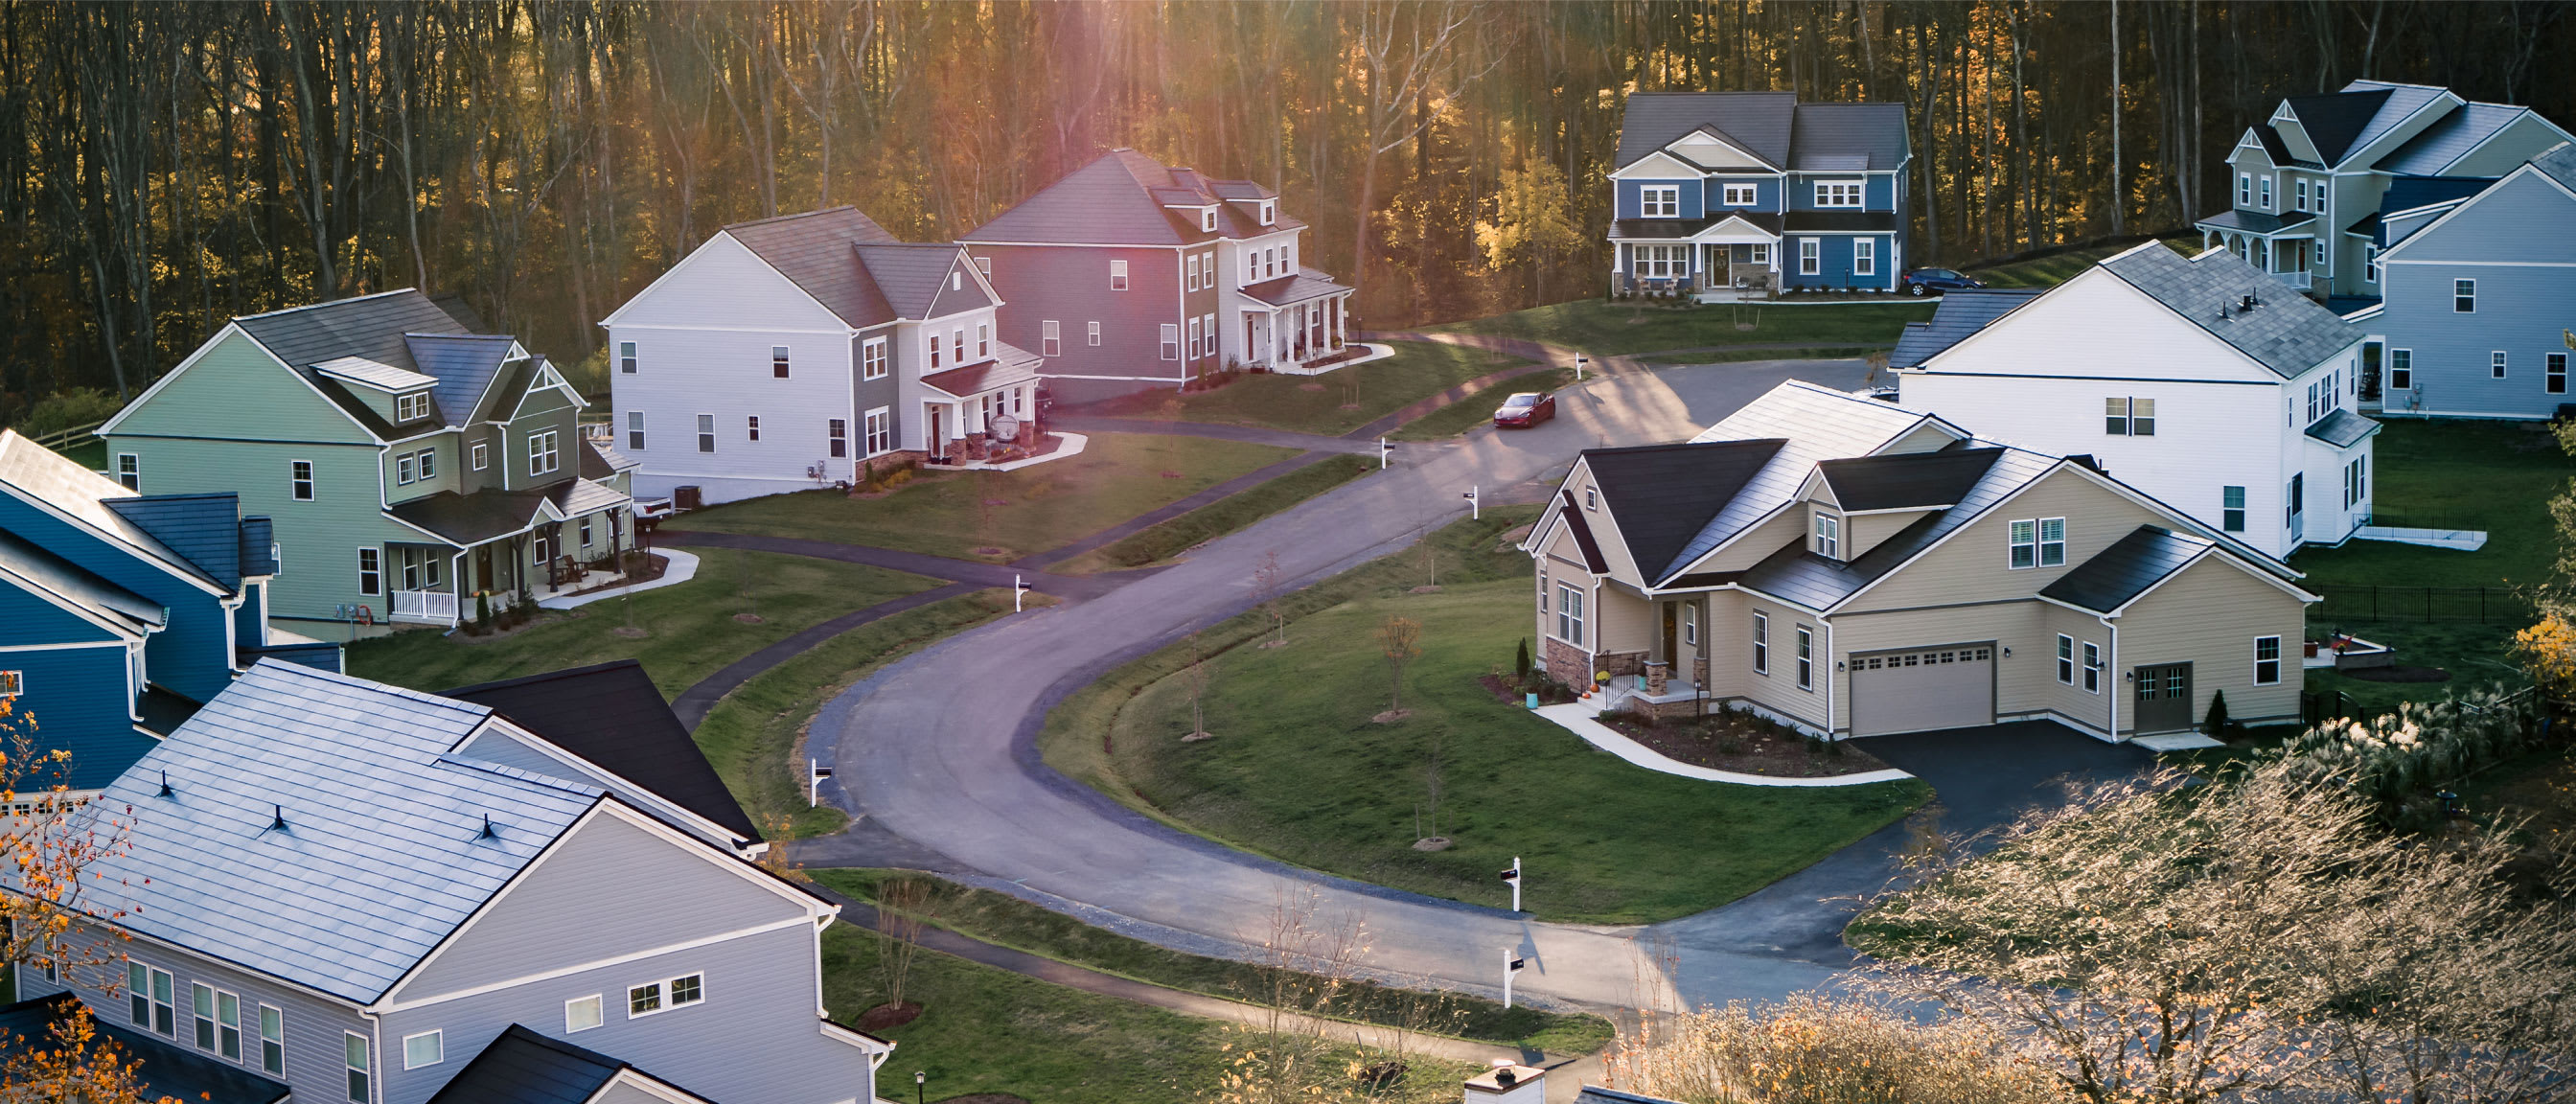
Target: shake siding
193, 655
1972, 565
2209, 616
315, 1059
2522, 308
1070, 284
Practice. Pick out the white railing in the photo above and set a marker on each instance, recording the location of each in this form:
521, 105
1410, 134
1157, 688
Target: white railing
431, 606
2297, 280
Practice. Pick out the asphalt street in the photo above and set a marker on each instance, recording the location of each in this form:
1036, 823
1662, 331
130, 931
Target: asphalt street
936, 755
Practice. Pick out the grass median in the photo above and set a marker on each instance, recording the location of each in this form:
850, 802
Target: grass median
1299, 770
1608, 328
1331, 404
1164, 541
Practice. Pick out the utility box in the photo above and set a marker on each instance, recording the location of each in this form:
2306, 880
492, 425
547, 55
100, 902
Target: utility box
1508, 1083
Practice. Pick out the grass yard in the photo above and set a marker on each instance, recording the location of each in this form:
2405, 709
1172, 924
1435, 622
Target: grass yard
1169, 539
751, 736
1331, 404
1001, 516
1611, 329
688, 631
987, 1030
2058, 268
1478, 409
1299, 771
1739, 356
1008, 921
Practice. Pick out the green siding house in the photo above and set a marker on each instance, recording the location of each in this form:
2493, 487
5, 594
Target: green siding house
408, 462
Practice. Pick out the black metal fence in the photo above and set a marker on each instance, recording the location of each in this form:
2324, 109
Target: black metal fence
2484, 605
2421, 519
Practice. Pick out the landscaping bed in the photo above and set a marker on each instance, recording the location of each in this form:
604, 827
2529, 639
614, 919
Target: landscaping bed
1741, 741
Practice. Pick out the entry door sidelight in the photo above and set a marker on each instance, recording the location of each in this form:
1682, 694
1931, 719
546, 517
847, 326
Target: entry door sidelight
2163, 696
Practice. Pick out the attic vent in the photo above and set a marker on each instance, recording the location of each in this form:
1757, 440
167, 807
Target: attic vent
2249, 304
277, 818
487, 832
166, 791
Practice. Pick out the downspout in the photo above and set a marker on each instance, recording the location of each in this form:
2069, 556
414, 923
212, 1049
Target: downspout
2114, 660
1832, 684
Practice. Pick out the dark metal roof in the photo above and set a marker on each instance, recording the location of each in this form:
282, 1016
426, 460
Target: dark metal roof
2255, 222
2279, 151
463, 365
2132, 566
163, 710
1662, 495
1759, 123
1298, 288
1848, 137
1121, 198
2450, 138
1583, 537
2369, 226
813, 250
1660, 229
600, 463
321, 655
2342, 429
522, 1067
2407, 193
404, 329
1963, 311
1918, 480
162, 1069
465, 519
612, 715
2287, 332
2333, 120
204, 528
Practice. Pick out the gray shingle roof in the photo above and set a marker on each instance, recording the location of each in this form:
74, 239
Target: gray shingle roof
1759, 123
2255, 222
1848, 137
27, 565
385, 328
1662, 495
1800, 576
205, 528
1300, 288
2131, 566
2287, 333
1913, 480
1121, 198
2558, 163
2343, 428
2450, 138
382, 857
42, 475
913, 281
1817, 424
1962, 312
1663, 229
814, 251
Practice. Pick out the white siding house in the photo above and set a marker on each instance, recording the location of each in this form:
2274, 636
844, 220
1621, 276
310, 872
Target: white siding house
2156, 367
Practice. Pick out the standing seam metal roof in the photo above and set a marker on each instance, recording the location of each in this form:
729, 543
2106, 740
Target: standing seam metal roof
2131, 566
1817, 424
2287, 332
381, 858
50, 478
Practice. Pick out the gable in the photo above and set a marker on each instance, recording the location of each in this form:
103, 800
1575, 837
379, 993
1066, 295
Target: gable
723, 284
609, 888
1972, 564
232, 387
546, 393
1658, 166
1708, 149
2498, 226
2249, 154
2292, 135
962, 290
2151, 341
2527, 136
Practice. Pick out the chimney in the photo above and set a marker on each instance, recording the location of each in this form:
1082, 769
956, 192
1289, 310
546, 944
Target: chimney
1508, 1083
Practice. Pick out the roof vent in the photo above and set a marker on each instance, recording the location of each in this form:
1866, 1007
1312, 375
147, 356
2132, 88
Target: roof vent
2250, 303
166, 791
277, 818
488, 833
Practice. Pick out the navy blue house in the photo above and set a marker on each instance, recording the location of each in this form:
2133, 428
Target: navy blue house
121, 613
1756, 191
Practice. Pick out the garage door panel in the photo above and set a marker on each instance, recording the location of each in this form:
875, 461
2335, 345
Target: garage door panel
1922, 689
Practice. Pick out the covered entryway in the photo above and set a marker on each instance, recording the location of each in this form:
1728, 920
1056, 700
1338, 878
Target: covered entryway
2163, 695
1922, 689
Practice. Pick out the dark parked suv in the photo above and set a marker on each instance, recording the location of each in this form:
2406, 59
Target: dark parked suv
1920, 282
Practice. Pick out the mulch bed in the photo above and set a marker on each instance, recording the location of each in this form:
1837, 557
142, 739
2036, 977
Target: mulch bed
2397, 674
1743, 746
889, 1015
1503, 691
654, 565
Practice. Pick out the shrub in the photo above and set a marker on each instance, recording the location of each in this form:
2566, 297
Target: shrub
2390, 758
1521, 665
2216, 723
65, 409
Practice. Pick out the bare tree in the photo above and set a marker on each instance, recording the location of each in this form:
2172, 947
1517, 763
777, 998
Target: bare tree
1817, 1048
1198, 674
902, 905
1400, 641
1430, 37
1266, 578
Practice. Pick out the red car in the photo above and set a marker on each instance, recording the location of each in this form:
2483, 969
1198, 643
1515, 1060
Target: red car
1524, 410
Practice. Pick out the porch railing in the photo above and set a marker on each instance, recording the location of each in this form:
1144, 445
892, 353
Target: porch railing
430, 606
2297, 280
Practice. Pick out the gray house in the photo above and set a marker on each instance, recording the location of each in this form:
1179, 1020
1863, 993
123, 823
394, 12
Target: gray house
360, 893
2482, 297
2307, 182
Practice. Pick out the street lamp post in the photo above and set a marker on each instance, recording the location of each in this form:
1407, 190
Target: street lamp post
919, 1079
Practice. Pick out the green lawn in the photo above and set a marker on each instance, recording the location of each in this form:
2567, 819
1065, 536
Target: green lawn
91, 454
751, 736
1611, 329
1317, 404
687, 631
1008, 921
2056, 269
1478, 409
1299, 771
987, 1030
1235, 511
1001, 516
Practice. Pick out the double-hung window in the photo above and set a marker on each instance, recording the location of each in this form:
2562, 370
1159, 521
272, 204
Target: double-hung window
1569, 614
706, 433
2231, 509
201, 1015
1051, 337
983, 340
751, 428
2464, 297
1194, 337
872, 359
1118, 275
2245, 189
626, 358
2554, 373
1811, 256
880, 430
12, 684
2265, 183
429, 463
1838, 193
371, 572
2052, 542
778, 362
1829, 536
2066, 659
272, 1040
1806, 658
1092, 335
2023, 538
1761, 644
2092, 667
2142, 417
1659, 201
1171, 341
2115, 417
2267, 660
1864, 256
2299, 195
481, 454
1737, 195
2129, 417
148, 989
1190, 277
837, 433
2401, 369
355, 1046
1690, 624
542, 457
411, 406
299, 479
2495, 364
2369, 264
1251, 266
635, 430
129, 471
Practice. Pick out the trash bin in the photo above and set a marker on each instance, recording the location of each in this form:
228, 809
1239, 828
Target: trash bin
685, 497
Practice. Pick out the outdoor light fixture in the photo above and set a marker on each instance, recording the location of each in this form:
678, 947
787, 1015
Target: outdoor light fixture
2007, 653
919, 1078
1841, 666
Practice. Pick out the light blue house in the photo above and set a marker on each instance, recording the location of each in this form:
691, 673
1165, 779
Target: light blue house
1755, 191
121, 613
357, 893
2481, 298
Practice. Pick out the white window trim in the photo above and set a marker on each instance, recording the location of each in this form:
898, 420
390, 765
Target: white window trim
1690, 624
2045, 544
1051, 337
1811, 256
1118, 274
635, 431
1829, 193
371, 561
628, 358
1570, 612
2014, 540
301, 488
12, 683
1727, 193
706, 435
480, 455
2471, 295
265, 1041
1806, 658
1653, 200
347, 1067
1762, 644
868, 427
2065, 659
1094, 334
598, 1013
1864, 256
780, 357
1827, 535
873, 358
437, 1038
129, 471
2092, 667
662, 995
2259, 661
1171, 341
2496, 363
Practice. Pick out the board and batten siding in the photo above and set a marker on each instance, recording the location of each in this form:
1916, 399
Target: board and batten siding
1972, 565
2518, 241
2208, 616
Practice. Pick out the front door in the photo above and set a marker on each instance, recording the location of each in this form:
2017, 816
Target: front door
937, 441
1672, 634
2163, 696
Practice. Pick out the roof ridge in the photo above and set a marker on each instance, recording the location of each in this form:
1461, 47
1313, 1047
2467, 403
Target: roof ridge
462, 761
297, 670
546, 676
792, 215
323, 303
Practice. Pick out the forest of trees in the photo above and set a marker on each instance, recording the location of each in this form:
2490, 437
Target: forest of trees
164, 167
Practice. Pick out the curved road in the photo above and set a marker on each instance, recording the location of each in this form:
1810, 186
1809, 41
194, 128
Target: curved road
936, 755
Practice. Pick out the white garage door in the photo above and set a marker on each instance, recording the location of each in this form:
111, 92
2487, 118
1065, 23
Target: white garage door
1923, 689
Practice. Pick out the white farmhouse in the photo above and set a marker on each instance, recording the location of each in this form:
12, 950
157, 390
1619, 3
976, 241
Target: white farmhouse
2199, 381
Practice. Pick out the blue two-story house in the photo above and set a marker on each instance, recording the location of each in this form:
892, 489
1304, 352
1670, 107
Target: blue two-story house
2480, 296
1756, 191
121, 613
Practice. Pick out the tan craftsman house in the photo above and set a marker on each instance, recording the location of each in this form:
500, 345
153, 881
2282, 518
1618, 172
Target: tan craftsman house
1858, 569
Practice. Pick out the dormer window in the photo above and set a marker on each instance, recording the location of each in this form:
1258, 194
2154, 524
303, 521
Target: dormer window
1269, 211
1829, 536
411, 406
1207, 219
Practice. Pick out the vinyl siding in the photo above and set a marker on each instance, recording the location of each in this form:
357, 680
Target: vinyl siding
1862, 533
319, 538
1779, 691
1070, 284
1631, 201
2520, 140
1625, 620
2209, 616
234, 388
2522, 309
447, 464
548, 409
1766, 193
1756, 544
71, 693
193, 655
1835, 262
2001, 624
1877, 193
1972, 565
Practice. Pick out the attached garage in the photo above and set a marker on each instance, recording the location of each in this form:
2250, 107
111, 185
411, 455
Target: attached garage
1921, 689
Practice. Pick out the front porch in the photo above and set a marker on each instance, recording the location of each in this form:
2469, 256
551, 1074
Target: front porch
507, 548
1729, 256
981, 416
1297, 325
2284, 248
